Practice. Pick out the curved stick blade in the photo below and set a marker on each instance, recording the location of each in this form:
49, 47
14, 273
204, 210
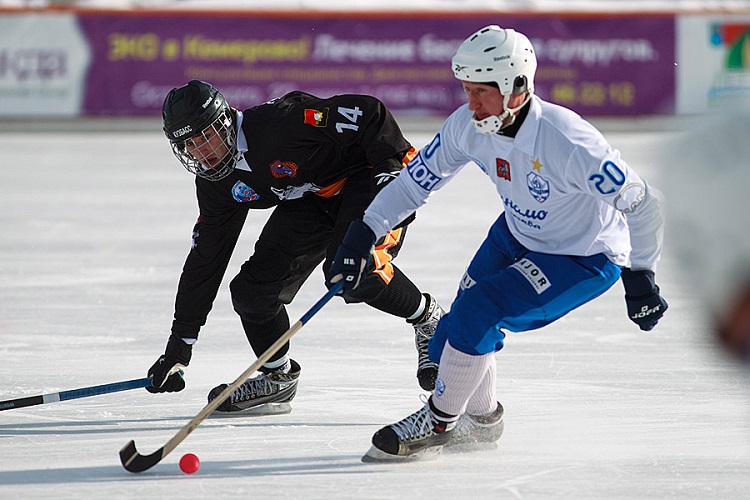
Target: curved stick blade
135, 462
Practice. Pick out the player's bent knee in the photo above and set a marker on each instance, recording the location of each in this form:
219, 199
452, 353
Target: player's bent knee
253, 300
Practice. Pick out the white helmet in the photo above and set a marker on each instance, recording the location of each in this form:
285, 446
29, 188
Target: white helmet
502, 56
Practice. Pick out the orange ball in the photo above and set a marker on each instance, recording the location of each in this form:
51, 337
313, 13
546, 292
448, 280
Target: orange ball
189, 463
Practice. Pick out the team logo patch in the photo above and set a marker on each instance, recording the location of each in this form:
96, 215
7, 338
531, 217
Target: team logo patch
439, 387
281, 169
244, 193
538, 186
316, 118
629, 198
503, 168
533, 275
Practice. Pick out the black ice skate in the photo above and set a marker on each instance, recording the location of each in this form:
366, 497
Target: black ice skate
268, 393
420, 435
477, 432
423, 332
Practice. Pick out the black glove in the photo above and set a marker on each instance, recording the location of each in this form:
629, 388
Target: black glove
351, 257
166, 373
645, 305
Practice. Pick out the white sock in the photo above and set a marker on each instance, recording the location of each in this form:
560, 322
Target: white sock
484, 399
459, 377
281, 363
420, 309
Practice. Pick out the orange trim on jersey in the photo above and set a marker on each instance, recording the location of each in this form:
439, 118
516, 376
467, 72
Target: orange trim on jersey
382, 258
335, 188
409, 156
332, 189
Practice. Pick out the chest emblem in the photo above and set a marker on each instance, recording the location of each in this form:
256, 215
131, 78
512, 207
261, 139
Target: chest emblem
244, 193
316, 118
503, 168
538, 186
281, 169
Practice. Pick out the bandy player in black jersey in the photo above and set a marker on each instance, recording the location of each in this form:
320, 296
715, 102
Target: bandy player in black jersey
319, 163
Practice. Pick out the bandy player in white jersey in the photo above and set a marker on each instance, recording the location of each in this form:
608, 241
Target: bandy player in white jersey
577, 217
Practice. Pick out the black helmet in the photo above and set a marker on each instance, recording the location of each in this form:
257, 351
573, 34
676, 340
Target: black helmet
193, 116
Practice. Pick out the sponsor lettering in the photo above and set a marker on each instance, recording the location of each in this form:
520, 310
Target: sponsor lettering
421, 174
533, 275
467, 282
33, 64
595, 52
200, 48
182, 131
530, 214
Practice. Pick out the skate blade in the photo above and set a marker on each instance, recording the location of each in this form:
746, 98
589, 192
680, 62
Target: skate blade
256, 411
376, 455
469, 447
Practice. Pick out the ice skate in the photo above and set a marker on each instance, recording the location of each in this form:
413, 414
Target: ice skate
419, 436
268, 393
423, 332
477, 432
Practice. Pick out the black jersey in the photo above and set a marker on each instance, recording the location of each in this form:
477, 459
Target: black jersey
297, 145
302, 144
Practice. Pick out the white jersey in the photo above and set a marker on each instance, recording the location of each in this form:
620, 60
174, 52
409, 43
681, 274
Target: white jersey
566, 191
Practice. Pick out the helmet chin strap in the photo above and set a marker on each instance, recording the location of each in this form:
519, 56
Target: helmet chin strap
494, 124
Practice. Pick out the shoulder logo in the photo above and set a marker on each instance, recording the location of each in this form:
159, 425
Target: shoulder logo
244, 193
316, 118
281, 169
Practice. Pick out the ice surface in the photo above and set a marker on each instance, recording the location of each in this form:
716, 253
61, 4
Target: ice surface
95, 227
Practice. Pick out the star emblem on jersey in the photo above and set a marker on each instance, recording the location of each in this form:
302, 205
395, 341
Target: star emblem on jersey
316, 118
537, 166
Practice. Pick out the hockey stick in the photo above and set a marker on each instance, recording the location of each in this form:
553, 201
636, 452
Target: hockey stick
135, 462
84, 392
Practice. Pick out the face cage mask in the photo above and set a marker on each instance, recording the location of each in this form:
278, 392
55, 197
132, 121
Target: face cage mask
493, 124
212, 140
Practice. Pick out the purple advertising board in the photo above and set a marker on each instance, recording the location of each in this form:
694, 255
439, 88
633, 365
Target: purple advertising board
618, 65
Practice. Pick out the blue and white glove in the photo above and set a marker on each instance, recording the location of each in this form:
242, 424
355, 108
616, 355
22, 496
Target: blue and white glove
166, 374
645, 305
352, 256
